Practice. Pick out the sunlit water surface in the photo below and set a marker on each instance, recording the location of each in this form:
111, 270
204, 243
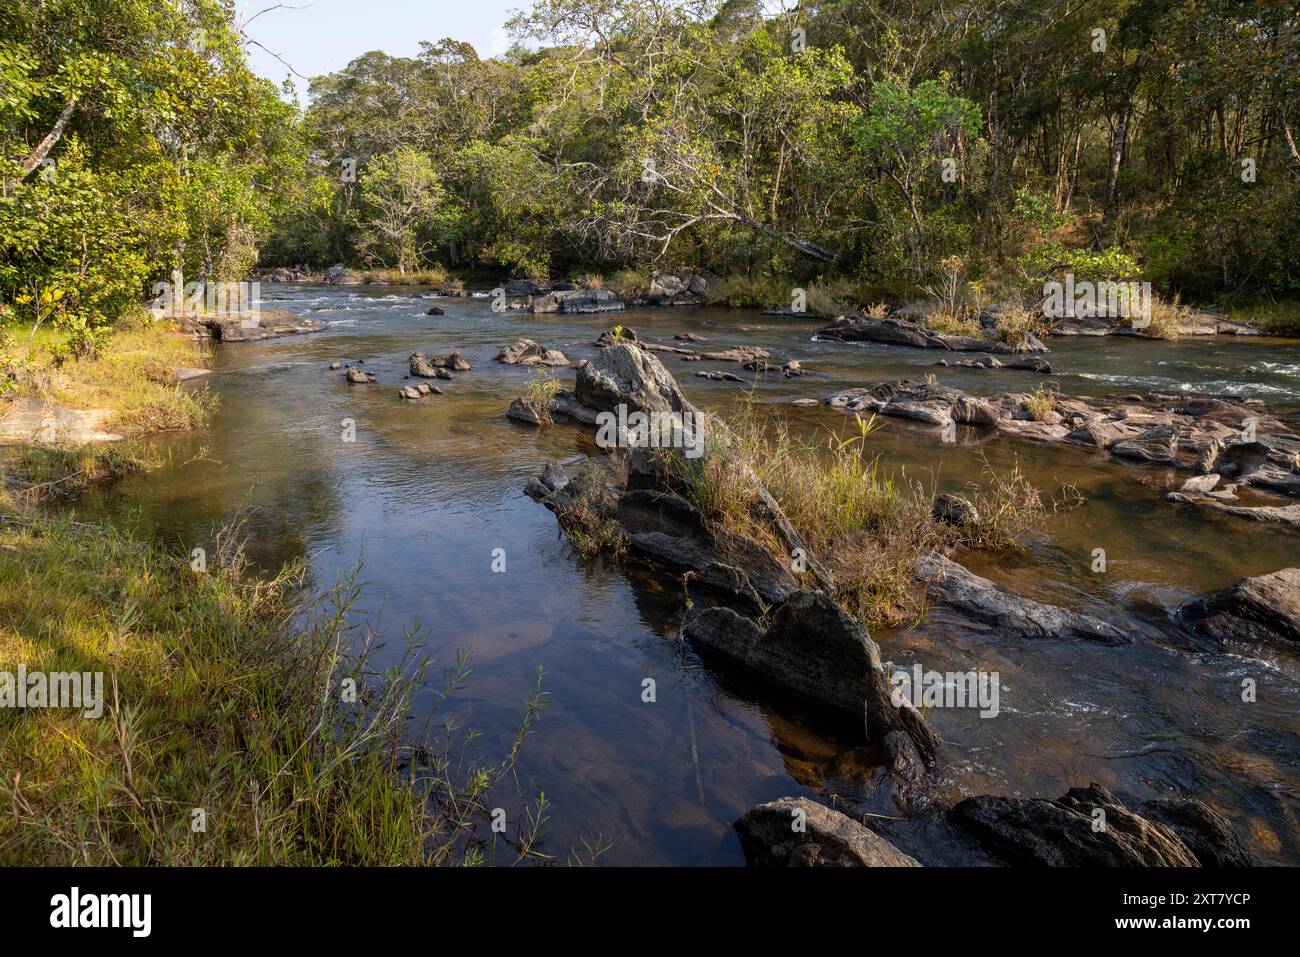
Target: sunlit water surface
429, 489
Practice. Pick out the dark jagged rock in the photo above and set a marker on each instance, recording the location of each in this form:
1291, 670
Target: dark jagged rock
435, 311
953, 509
983, 601
797, 832
1065, 832
1265, 608
669, 529
814, 649
1205, 831
525, 411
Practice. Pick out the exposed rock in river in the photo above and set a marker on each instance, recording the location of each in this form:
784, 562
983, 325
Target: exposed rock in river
813, 648
1232, 438
254, 327
526, 352
1012, 616
900, 332
797, 832
1205, 831
1265, 608
1064, 832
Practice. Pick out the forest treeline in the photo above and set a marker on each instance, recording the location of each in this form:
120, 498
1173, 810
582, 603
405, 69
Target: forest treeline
875, 142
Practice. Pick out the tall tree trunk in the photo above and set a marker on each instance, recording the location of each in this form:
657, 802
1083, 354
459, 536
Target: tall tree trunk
42, 150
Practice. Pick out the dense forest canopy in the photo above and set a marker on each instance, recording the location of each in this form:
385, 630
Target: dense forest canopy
871, 141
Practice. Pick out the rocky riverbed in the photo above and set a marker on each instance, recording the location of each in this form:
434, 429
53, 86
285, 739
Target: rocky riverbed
1121, 688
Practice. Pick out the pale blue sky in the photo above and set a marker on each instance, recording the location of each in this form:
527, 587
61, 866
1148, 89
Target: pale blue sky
325, 34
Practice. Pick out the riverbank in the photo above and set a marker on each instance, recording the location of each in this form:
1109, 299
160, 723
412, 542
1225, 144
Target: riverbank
222, 716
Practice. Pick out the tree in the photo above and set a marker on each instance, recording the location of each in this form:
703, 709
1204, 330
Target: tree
401, 199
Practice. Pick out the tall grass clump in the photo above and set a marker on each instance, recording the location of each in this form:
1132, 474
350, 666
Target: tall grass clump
242, 725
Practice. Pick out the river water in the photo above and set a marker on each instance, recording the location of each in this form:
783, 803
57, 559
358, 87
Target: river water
429, 489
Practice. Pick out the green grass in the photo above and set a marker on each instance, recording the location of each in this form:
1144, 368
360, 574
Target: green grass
224, 693
432, 276
744, 292
1041, 403
1274, 318
866, 526
133, 377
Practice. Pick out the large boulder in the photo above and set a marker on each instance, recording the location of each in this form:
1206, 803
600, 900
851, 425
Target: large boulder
983, 601
625, 375
817, 651
797, 832
1265, 608
1068, 832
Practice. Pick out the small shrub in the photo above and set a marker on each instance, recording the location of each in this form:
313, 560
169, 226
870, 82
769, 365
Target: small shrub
1041, 403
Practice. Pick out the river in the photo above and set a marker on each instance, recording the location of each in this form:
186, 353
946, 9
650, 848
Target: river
429, 489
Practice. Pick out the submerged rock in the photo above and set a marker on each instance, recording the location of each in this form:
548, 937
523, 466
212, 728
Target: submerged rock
357, 377
1065, 832
797, 832
814, 649
1012, 615
1265, 608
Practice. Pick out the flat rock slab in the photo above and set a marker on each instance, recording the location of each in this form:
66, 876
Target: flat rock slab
39, 420
797, 832
265, 324
1010, 614
1288, 515
900, 332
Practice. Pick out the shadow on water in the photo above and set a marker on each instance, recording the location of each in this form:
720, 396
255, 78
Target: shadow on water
429, 489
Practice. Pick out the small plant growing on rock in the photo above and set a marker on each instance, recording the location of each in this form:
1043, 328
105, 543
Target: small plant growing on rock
543, 386
1041, 403
1015, 326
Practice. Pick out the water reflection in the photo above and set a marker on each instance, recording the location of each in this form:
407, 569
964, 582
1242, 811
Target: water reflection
428, 489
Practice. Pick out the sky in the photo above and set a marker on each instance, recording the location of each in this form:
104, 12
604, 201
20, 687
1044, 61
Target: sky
324, 35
